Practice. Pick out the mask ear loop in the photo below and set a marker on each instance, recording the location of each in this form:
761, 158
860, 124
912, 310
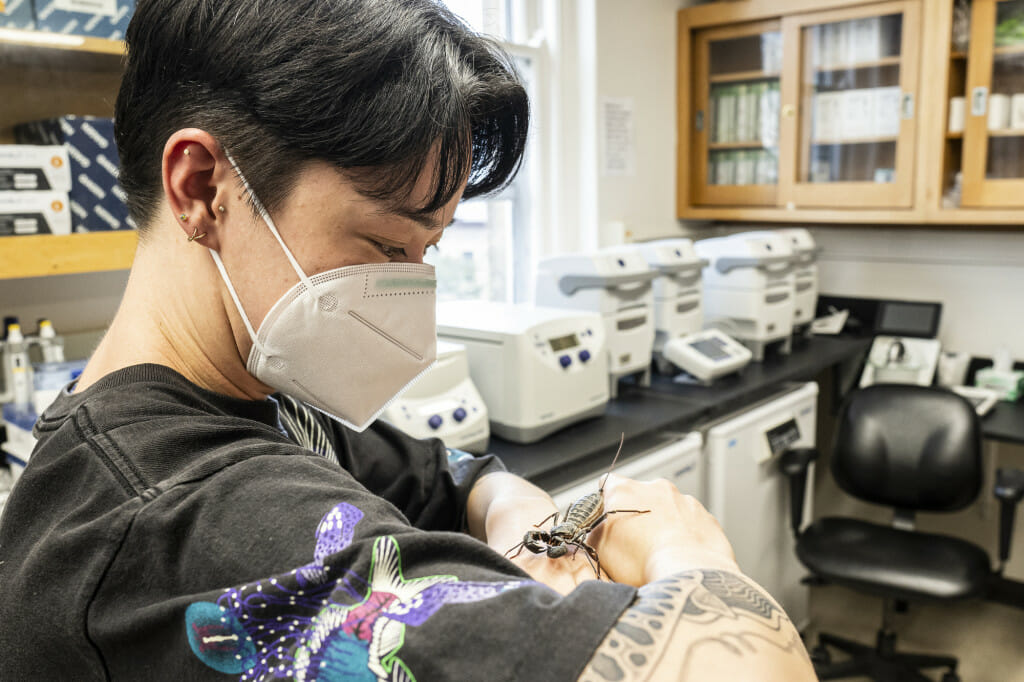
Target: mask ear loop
238, 304
273, 228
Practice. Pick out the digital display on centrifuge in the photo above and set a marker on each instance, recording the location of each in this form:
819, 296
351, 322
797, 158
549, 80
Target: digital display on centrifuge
563, 342
711, 348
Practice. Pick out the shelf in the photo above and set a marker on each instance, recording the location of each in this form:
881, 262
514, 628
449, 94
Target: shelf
955, 136
752, 144
737, 76
859, 140
854, 66
958, 55
61, 41
1009, 50
42, 255
1005, 133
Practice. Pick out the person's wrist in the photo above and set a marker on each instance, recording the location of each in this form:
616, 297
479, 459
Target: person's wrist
509, 518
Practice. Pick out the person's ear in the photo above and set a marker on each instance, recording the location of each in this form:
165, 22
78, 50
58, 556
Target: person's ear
198, 181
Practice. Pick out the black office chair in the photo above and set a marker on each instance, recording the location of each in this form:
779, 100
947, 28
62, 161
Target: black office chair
914, 449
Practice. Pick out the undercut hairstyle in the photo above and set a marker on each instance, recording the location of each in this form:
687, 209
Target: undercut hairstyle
371, 87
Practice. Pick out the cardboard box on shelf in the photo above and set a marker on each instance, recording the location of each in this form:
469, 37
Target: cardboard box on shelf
24, 213
97, 200
97, 18
17, 14
33, 167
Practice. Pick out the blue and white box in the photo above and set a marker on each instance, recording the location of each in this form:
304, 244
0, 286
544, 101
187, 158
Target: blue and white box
97, 18
97, 200
17, 14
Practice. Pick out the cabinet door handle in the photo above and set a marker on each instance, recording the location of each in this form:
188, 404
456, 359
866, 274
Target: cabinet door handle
908, 106
979, 100
789, 111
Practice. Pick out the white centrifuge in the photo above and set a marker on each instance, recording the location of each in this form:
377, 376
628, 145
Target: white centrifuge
538, 369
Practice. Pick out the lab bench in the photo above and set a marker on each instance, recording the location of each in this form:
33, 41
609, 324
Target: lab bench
649, 416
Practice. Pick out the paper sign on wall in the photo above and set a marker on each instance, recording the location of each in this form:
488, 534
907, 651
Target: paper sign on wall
618, 136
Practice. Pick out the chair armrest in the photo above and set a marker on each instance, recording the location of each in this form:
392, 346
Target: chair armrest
1009, 491
794, 464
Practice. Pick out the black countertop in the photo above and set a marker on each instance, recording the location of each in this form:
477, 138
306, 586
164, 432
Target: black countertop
650, 416
1004, 423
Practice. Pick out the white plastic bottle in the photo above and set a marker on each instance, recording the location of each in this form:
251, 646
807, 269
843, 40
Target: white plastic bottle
51, 345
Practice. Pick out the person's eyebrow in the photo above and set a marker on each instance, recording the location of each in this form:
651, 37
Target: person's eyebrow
424, 220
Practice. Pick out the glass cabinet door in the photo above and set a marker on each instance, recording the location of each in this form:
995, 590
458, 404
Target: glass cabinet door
736, 121
993, 171
848, 109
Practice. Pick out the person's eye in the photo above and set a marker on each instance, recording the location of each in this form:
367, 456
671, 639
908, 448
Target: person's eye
389, 251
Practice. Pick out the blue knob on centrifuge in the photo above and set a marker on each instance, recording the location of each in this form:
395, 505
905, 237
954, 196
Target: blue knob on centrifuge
459, 414
565, 361
584, 355
435, 422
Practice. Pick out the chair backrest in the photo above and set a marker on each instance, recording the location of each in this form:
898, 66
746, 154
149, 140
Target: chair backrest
909, 447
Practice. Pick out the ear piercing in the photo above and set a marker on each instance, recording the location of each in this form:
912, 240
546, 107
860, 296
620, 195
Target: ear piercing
196, 235
221, 208
187, 152
184, 217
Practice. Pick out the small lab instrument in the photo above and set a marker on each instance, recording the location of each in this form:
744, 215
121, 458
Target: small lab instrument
905, 350
830, 324
749, 495
749, 288
615, 283
983, 399
677, 291
707, 355
805, 275
1001, 377
679, 460
538, 369
444, 403
901, 360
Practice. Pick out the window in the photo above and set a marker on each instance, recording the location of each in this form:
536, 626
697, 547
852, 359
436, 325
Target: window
487, 253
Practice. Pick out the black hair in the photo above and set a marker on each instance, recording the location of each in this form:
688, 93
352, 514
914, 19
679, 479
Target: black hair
369, 86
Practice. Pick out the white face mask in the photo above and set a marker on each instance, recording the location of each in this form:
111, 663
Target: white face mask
345, 341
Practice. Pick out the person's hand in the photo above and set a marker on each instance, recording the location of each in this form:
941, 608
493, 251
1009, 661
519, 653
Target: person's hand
508, 520
675, 535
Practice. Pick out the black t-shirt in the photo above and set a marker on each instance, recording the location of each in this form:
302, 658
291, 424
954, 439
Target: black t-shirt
162, 531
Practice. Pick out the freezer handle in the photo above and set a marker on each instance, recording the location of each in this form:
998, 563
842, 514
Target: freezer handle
570, 284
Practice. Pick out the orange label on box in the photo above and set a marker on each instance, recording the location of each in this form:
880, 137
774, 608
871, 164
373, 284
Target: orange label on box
57, 206
55, 161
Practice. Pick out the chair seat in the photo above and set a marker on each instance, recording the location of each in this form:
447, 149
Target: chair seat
893, 563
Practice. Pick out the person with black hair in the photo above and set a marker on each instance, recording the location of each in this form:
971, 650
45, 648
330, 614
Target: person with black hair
214, 499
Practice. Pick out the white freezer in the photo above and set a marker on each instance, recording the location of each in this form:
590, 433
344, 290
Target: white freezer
750, 497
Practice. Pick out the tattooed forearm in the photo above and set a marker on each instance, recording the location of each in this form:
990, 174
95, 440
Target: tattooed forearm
701, 625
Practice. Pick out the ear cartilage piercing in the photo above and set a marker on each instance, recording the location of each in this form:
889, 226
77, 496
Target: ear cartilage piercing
187, 152
184, 217
221, 208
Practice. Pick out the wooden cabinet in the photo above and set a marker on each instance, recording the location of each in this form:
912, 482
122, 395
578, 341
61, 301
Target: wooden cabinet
859, 132
46, 75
